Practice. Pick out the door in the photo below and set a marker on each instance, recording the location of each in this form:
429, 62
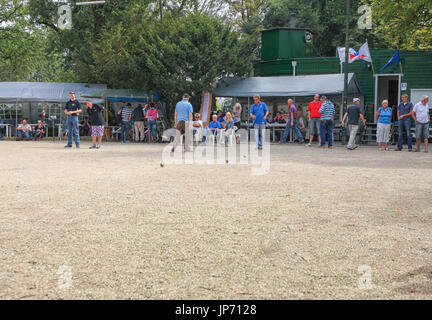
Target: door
387, 88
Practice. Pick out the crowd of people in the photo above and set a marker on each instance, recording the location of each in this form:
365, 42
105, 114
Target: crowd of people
320, 123
28, 132
321, 112
141, 117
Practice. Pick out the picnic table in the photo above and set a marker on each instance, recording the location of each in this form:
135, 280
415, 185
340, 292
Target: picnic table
274, 127
8, 129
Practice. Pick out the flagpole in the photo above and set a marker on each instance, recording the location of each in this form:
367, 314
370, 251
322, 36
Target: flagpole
373, 69
345, 96
400, 61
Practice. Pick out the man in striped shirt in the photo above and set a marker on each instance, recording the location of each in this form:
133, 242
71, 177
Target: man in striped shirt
126, 115
327, 111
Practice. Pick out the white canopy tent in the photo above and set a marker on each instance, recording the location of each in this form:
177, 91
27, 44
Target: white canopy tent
12, 92
15, 93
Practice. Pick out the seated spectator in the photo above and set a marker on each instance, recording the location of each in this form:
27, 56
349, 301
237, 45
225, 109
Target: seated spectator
39, 131
85, 126
1, 129
197, 124
214, 126
220, 117
229, 122
279, 118
24, 129
301, 122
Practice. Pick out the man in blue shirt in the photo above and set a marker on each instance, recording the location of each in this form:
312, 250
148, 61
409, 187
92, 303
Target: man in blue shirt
182, 121
259, 113
405, 113
327, 111
72, 110
214, 126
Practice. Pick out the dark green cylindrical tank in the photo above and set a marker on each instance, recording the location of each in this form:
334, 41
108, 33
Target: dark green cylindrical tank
286, 43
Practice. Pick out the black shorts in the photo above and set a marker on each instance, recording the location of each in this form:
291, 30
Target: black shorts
238, 125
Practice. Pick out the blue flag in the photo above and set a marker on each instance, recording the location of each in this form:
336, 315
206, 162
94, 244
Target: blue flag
394, 59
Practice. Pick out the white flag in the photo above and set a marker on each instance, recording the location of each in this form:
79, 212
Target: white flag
352, 55
364, 53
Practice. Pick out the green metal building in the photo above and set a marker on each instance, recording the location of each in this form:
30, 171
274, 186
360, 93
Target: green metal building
289, 51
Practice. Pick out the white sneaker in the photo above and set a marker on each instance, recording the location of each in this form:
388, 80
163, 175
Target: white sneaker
308, 145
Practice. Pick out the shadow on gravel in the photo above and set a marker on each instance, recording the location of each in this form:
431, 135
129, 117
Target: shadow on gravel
423, 286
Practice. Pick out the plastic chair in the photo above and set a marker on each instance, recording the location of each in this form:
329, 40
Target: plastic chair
230, 134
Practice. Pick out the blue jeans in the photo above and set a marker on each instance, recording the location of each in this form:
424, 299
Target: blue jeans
288, 129
20, 133
326, 129
1, 130
125, 131
153, 127
72, 124
404, 125
259, 134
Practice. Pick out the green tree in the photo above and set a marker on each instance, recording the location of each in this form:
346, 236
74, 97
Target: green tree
184, 54
407, 24
25, 49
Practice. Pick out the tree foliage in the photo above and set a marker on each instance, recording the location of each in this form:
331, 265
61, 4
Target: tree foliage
124, 44
184, 54
407, 24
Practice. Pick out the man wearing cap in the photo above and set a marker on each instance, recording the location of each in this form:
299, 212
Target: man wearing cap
327, 111
405, 113
182, 121
354, 115
72, 110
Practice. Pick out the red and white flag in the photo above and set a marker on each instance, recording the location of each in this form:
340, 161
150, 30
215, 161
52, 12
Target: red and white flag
362, 54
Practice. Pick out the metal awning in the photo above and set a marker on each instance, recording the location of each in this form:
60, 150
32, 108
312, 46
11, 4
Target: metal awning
55, 92
124, 95
286, 86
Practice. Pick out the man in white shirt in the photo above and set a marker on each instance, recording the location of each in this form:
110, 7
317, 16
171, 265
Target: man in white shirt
422, 120
23, 129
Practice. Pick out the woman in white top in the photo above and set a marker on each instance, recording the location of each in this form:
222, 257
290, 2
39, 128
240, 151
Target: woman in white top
197, 125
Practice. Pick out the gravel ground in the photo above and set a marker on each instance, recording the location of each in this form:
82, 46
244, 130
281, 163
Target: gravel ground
126, 227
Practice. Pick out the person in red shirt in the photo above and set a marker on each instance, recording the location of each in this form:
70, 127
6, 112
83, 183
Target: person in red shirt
314, 119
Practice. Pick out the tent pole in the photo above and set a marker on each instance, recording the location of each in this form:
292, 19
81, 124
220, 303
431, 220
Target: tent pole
248, 121
16, 116
106, 112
